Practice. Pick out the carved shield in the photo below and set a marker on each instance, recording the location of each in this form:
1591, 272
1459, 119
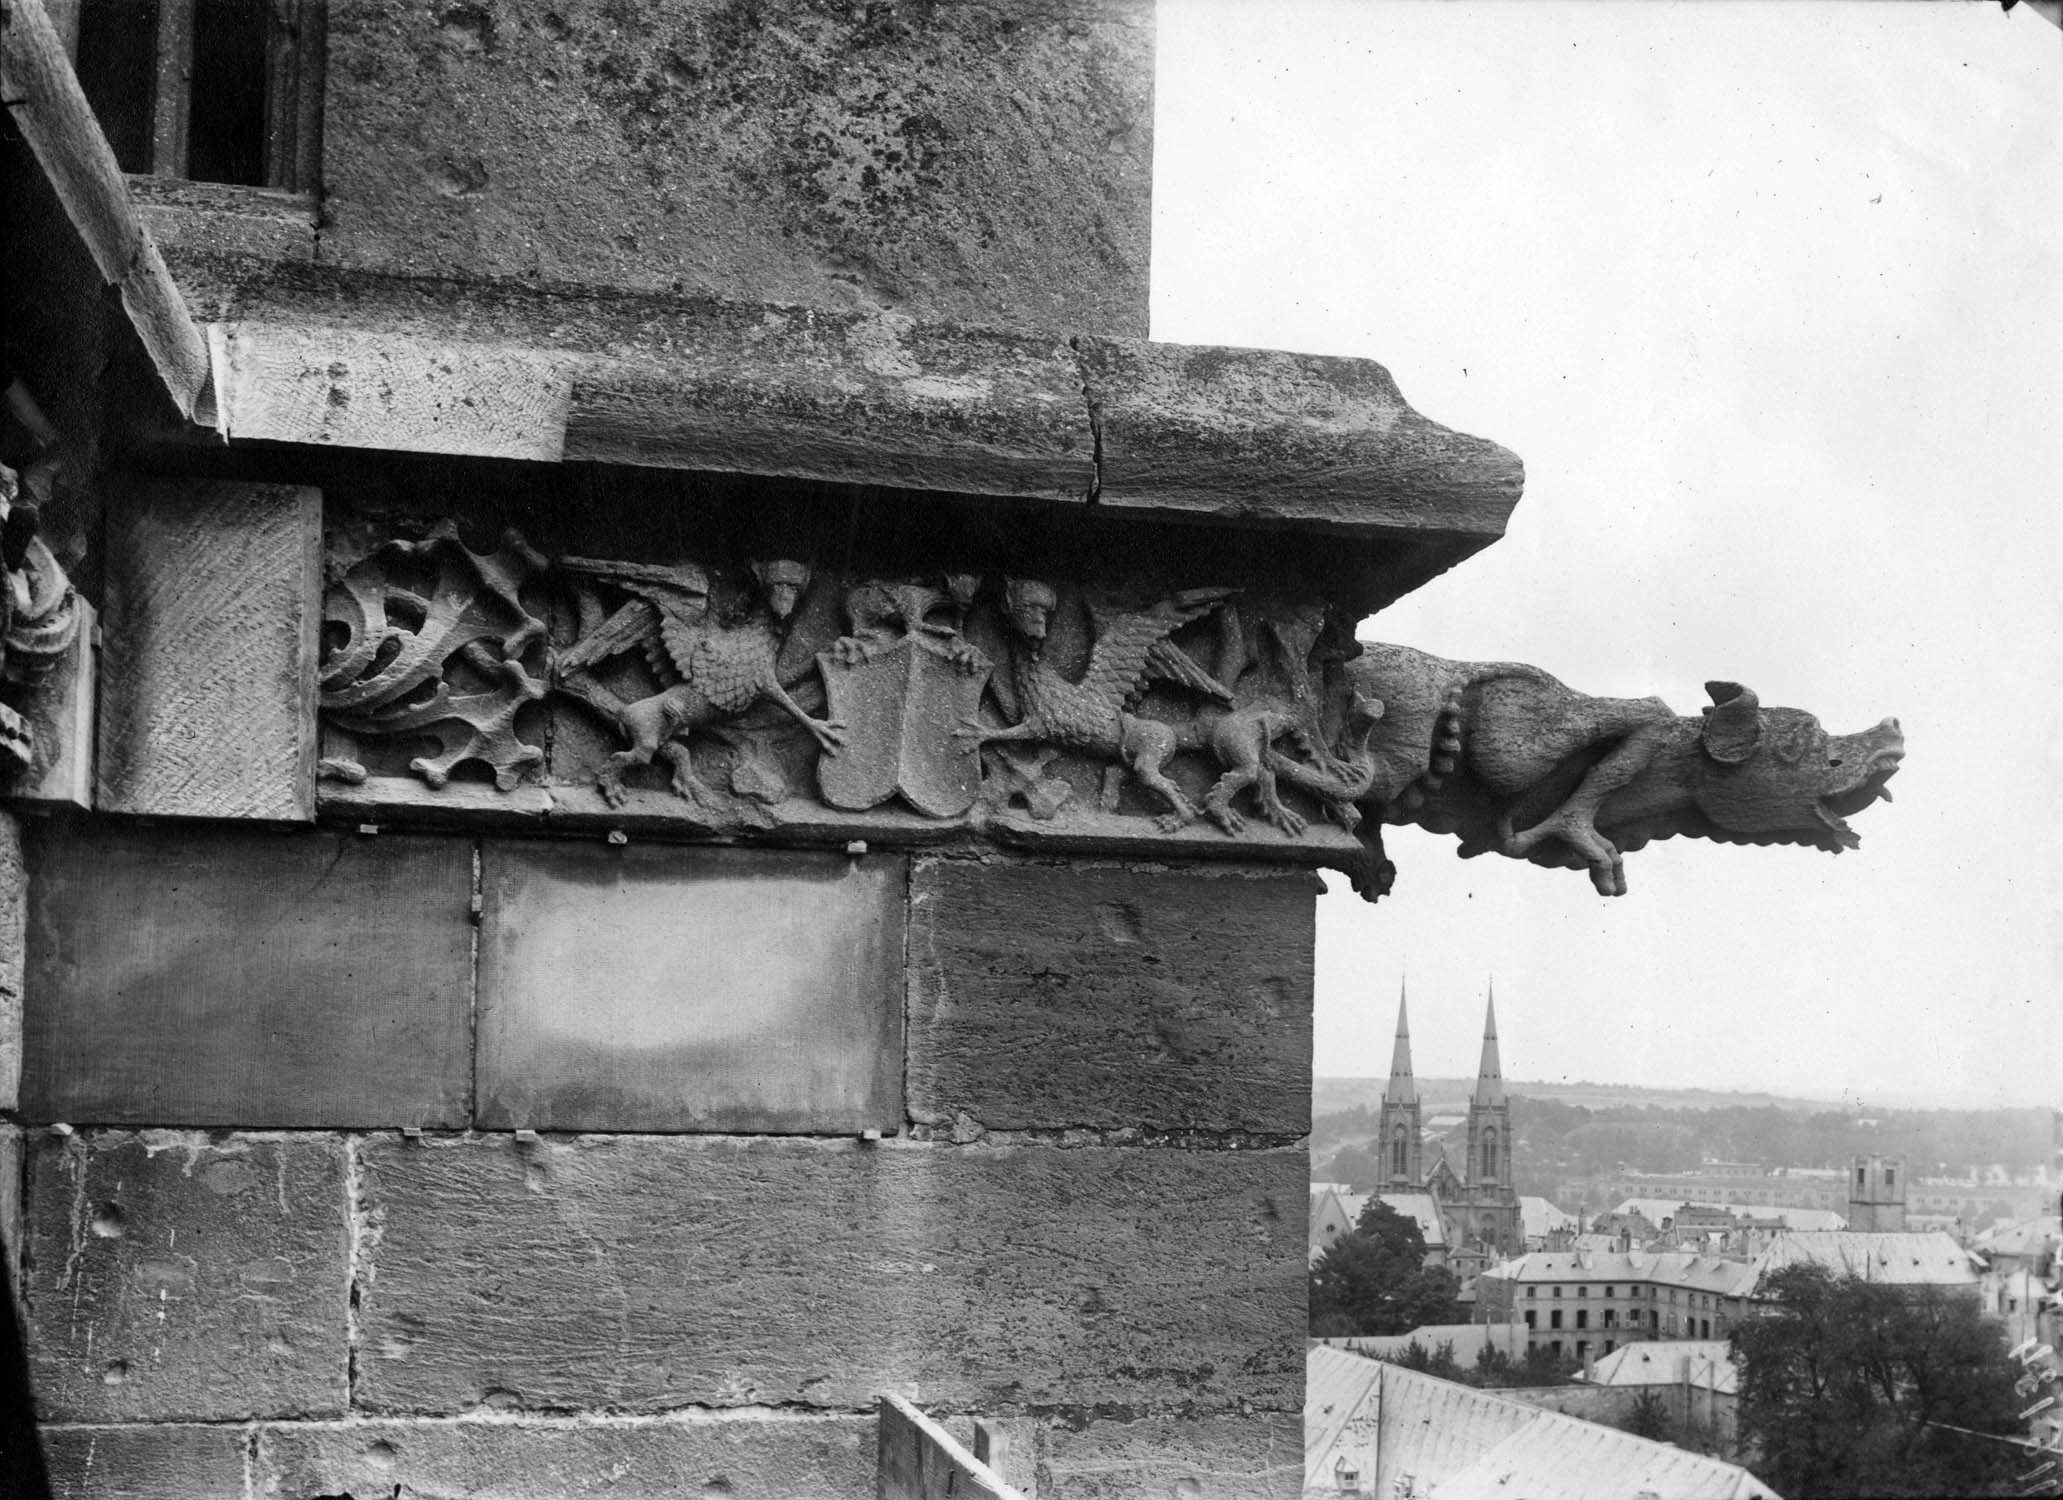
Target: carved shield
900, 709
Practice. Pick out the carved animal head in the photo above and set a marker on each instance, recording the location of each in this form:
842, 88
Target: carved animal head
1030, 605
783, 581
962, 587
1779, 778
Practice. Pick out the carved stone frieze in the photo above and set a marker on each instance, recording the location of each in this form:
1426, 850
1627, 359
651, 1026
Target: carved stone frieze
427, 641
40, 615
770, 695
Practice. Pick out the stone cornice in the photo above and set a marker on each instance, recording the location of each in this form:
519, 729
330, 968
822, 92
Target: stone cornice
311, 354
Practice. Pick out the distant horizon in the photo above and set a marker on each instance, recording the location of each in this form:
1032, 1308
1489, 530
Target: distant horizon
1861, 1103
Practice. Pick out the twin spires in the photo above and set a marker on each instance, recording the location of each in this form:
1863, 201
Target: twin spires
1401, 1090
1490, 1071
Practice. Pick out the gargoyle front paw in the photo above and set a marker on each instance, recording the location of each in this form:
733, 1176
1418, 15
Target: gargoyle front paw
1226, 816
611, 788
850, 651
830, 734
1174, 822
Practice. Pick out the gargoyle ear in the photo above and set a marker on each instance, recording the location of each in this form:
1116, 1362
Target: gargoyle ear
1733, 724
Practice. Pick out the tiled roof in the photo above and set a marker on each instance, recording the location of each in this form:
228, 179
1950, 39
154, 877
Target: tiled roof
1560, 1457
1541, 1217
1930, 1258
1459, 1443
1655, 1210
2022, 1237
1705, 1273
1660, 1363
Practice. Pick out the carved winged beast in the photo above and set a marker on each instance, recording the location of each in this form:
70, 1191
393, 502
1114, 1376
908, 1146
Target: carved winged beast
711, 672
1519, 764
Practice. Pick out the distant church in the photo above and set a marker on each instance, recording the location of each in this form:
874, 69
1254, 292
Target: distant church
1478, 1206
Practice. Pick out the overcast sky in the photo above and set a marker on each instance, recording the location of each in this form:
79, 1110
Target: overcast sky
1769, 298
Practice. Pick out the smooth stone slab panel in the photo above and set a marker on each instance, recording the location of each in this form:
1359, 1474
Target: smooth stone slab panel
138, 1461
183, 975
544, 1458
1047, 995
645, 1273
207, 670
175, 1277
658, 988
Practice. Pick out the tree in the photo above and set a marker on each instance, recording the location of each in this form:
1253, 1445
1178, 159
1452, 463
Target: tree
1374, 1280
1648, 1417
1853, 1387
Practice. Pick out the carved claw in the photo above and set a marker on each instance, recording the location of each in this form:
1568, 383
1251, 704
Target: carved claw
1607, 867
609, 782
851, 651
1288, 820
830, 734
972, 729
1180, 814
1225, 815
966, 657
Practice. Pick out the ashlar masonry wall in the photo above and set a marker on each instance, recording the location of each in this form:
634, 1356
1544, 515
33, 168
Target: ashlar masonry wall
554, 1161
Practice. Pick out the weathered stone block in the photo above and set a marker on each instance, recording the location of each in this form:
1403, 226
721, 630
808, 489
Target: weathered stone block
14, 892
1086, 995
1258, 1457
1259, 434
643, 1273
224, 976
175, 1277
207, 672
985, 163
662, 988
145, 1462
670, 1458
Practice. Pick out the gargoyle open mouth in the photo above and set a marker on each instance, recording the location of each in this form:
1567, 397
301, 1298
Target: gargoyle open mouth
1834, 808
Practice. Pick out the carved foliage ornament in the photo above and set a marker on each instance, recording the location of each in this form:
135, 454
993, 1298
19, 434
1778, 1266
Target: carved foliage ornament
39, 616
956, 695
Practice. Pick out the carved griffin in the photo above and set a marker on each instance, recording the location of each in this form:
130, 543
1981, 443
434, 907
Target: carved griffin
1519, 764
1095, 715
713, 673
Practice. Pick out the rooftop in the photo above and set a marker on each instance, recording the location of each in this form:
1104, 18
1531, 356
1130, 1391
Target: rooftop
1461, 1443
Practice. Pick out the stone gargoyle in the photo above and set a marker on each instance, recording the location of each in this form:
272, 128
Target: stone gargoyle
1518, 764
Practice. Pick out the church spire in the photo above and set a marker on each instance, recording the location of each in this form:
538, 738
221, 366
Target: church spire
1490, 1072
1401, 1090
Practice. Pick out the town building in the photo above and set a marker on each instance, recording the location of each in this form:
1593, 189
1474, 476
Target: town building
1876, 1195
1583, 1305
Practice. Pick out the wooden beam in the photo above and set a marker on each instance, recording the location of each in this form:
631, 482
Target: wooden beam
920, 1460
47, 105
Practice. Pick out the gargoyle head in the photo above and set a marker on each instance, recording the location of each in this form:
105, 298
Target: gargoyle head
1782, 779
1030, 605
783, 581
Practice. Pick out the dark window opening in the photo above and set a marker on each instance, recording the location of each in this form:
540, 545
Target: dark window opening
208, 90
117, 67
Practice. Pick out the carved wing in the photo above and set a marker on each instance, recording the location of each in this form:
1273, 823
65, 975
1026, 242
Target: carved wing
731, 667
671, 650
1132, 648
629, 629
